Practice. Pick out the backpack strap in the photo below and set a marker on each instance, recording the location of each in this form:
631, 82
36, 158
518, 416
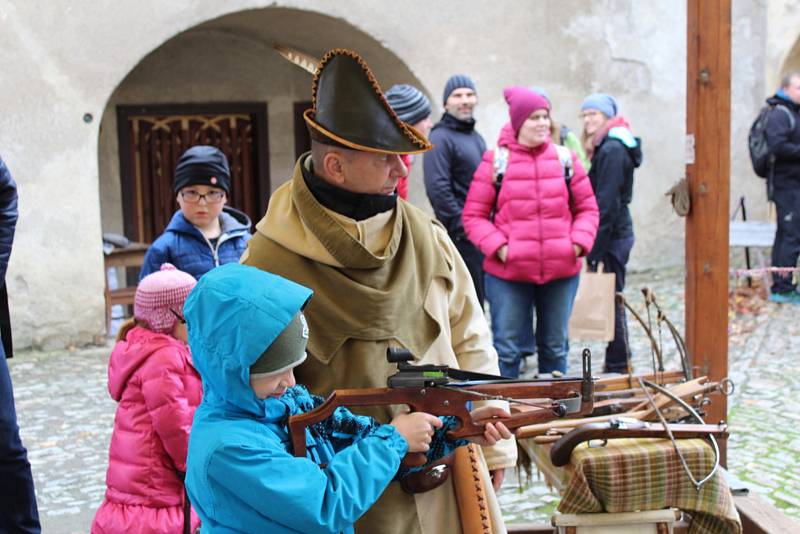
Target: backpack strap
788, 114
565, 157
499, 166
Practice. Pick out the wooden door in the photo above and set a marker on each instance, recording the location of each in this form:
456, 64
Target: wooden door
152, 138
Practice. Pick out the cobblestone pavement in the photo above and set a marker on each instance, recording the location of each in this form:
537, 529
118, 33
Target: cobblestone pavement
66, 413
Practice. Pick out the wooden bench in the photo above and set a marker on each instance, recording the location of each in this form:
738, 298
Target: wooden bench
130, 256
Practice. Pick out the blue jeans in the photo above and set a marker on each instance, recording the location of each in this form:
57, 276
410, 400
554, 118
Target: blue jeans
512, 304
18, 512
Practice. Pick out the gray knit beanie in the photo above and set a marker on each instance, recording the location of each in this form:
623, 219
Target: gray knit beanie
409, 103
286, 352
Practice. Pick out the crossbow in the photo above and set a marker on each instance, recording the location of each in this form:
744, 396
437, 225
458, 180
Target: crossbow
440, 390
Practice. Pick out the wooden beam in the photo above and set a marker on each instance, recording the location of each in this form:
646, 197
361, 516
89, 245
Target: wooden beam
708, 129
760, 517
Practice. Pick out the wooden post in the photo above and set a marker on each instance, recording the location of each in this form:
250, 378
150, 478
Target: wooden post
708, 129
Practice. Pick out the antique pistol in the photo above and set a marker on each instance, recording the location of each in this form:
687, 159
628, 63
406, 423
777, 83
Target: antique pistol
623, 427
441, 391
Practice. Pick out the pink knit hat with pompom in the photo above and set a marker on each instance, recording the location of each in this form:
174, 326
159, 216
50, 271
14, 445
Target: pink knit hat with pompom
157, 293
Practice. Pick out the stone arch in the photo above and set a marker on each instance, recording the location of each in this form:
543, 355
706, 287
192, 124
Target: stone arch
230, 59
792, 61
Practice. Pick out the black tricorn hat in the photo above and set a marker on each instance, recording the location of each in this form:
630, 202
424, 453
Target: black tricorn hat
349, 109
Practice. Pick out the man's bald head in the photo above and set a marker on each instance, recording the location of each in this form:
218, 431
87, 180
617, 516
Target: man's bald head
357, 171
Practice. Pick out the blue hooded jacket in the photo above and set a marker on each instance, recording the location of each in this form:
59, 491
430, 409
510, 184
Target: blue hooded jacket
241, 475
185, 247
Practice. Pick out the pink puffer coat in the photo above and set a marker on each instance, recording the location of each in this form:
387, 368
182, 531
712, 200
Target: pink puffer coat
152, 377
533, 214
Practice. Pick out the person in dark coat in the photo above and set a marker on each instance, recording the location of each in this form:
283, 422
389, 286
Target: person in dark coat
449, 166
614, 153
204, 233
18, 510
783, 140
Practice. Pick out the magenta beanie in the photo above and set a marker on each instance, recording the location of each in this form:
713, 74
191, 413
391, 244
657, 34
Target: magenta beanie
521, 103
157, 293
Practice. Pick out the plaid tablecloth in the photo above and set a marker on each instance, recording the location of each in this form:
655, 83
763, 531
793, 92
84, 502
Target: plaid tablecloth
641, 474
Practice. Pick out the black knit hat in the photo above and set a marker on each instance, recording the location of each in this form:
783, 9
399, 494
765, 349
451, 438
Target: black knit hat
202, 165
409, 103
457, 81
349, 109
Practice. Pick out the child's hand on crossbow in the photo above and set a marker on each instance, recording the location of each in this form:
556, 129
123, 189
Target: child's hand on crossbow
494, 431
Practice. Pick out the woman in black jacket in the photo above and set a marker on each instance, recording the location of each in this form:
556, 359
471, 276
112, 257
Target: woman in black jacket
614, 153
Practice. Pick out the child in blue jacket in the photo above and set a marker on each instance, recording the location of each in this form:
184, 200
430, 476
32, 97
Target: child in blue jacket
246, 334
204, 233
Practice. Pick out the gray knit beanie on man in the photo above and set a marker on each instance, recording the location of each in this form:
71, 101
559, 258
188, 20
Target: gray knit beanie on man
457, 81
409, 103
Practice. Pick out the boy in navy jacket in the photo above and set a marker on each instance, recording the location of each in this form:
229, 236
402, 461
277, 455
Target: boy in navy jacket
204, 233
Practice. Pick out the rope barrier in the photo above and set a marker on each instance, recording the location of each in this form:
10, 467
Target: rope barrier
761, 272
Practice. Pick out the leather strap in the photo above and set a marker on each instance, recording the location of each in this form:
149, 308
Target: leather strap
470, 491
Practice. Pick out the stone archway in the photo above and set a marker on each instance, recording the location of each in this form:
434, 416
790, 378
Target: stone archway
792, 62
230, 59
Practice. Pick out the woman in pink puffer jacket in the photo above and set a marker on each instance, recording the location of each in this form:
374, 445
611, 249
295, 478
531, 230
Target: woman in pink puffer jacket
533, 244
150, 374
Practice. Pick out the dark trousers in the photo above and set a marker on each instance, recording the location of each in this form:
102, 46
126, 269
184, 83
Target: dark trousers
786, 248
18, 512
615, 261
474, 260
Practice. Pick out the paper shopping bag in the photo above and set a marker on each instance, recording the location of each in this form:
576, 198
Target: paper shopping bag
592, 316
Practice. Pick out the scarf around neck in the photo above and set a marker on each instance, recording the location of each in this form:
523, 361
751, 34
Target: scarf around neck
357, 206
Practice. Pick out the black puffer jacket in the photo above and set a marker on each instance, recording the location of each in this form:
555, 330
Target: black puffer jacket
457, 152
8, 223
611, 175
784, 142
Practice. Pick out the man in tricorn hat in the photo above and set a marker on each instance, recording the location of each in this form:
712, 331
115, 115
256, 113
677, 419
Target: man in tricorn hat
385, 274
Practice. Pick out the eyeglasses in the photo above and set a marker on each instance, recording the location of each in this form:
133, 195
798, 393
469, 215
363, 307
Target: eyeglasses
590, 113
178, 316
193, 197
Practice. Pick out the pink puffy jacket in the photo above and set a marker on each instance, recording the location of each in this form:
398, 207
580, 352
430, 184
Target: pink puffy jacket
533, 214
152, 377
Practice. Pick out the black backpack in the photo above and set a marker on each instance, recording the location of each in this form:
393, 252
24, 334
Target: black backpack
760, 156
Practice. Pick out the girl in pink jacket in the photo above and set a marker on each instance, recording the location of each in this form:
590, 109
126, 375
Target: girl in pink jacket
150, 374
533, 233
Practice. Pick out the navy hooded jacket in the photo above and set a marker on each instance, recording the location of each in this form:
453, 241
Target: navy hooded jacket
611, 175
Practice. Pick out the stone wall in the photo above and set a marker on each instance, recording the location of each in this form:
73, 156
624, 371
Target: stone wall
62, 60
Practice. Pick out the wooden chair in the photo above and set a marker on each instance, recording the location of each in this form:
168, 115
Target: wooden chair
130, 256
